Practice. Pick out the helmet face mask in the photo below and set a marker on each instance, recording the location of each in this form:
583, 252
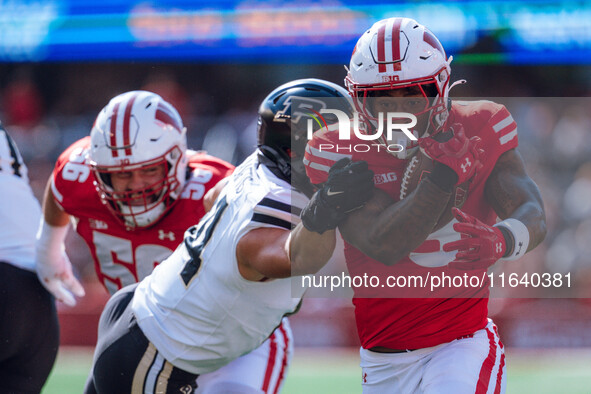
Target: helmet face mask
399, 53
136, 132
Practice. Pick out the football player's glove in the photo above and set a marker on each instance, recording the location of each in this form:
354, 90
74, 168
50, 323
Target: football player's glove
53, 266
458, 153
481, 245
349, 186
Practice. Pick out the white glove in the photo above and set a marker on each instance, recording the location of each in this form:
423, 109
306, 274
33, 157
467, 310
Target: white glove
53, 265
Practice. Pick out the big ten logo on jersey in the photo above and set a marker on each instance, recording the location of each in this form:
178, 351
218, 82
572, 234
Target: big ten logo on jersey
380, 179
97, 224
76, 169
195, 187
121, 263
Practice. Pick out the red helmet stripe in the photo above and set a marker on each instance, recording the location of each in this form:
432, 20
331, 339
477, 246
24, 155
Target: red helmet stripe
382, 49
165, 117
396, 44
126, 121
113, 134
430, 39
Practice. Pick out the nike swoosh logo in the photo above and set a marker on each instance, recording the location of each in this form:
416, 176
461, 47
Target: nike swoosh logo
329, 193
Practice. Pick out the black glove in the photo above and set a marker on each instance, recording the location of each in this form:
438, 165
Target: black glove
349, 186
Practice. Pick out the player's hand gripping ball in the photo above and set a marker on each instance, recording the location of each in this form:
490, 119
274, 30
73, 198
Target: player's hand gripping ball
348, 187
459, 153
417, 169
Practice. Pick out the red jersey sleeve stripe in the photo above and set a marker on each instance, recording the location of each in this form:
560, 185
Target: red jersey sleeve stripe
509, 136
316, 166
503, 123
316, 176
325, 154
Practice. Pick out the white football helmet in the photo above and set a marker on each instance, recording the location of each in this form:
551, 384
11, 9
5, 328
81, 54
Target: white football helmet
399, 53
138, 129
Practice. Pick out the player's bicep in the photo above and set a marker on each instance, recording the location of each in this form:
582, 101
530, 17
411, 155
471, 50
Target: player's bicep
509, 187
262, 253
213, 193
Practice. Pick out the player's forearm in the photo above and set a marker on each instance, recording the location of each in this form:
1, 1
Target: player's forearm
309, 251
532, 215
397, 229
513, 194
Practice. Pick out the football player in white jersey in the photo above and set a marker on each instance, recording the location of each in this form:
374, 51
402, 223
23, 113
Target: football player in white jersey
227, 286
27, 353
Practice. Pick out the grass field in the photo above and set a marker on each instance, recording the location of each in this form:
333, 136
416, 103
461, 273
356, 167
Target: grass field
327, 371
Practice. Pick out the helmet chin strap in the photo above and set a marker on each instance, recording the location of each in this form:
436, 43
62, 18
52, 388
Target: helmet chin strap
299, 181
274, 162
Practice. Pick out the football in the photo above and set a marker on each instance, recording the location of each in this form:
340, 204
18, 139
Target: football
416, 169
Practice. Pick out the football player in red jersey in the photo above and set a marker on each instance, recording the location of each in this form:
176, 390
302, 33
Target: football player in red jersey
440, 341
132, 189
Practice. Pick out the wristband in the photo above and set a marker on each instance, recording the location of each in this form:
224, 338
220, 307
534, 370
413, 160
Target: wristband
520, 235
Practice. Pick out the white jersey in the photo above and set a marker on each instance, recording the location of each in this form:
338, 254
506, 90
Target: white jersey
196, 308
19, 209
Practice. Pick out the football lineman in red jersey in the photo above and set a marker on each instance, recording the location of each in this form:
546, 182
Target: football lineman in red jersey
132, 189
443, 341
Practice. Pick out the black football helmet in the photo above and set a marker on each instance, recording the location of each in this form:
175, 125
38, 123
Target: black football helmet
282, 136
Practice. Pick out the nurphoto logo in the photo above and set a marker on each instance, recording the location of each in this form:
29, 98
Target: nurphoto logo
393, 122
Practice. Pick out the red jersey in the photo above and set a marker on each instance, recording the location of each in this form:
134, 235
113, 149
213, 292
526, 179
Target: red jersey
412, 323
122, 257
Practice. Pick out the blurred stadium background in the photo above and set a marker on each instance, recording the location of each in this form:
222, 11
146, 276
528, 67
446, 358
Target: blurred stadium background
62, 60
